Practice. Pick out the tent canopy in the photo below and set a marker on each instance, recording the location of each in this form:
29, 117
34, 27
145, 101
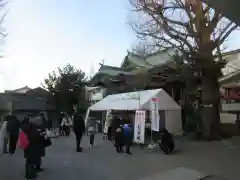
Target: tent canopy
131, 101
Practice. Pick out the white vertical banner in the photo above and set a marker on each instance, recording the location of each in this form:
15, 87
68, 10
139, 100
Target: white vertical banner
139, 127
154, 115
107, 121
87, 116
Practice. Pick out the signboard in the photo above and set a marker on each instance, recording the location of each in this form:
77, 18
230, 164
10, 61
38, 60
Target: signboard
139, 127
154, 115
232, 94
107, 121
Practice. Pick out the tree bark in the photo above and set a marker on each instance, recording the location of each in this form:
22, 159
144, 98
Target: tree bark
211, 105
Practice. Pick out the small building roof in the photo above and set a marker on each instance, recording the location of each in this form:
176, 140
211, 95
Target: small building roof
25, 99
19, 90
29, 102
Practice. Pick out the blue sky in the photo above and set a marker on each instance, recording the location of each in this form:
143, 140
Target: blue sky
45, 34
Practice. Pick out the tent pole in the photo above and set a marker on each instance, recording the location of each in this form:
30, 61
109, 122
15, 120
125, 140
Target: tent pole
139, 100
151, 136
102, 121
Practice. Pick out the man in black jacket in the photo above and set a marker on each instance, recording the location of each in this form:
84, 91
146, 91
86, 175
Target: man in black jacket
13, 127
79, 129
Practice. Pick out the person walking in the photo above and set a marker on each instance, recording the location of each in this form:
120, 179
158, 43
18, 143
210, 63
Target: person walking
4, 136
79, 129
64, 126
128, 137
38, 126
91, 134
118, 137
13, 126
117, 134
30, 148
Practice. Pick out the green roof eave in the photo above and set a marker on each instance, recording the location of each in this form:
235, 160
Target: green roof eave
114, 71
151, 60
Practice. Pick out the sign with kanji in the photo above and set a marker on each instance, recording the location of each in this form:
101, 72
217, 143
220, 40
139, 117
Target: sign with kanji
139, 127
154, 114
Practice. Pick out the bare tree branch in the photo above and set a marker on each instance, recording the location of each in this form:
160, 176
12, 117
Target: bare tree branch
180, 24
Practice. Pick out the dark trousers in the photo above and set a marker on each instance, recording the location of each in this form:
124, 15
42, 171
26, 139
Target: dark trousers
13, 138
63, 130
78, 140
5, 145
119, 147
91, 139
128, 146
67, 131
167, 148
128, 143
30, 170
38, 162
109, 133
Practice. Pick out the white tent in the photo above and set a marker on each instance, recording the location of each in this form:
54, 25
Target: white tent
141, 100
131, 101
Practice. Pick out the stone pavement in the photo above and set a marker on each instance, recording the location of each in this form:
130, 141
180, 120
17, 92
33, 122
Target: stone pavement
103, 163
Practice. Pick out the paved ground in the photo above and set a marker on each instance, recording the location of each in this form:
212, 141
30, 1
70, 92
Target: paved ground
102, 163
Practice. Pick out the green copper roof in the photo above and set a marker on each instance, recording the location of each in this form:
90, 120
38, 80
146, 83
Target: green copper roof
134, 65
149, 61
113, 71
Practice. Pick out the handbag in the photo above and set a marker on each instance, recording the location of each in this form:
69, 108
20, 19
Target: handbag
47, 142
23, 141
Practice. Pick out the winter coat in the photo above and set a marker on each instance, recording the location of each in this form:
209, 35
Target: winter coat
167, 138
13, 125
66, 121
36, 146
78, 124
127, 133
41, 140
3, 135
118, 136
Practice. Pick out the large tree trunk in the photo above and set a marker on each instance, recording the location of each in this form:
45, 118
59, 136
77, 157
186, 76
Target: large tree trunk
211, 105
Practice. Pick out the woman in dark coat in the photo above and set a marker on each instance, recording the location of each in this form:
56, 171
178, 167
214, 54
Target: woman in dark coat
30, 153
41, 148
39, 127
118, 135
13, 127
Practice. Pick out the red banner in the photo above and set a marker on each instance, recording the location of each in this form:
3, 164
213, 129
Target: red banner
232, 94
